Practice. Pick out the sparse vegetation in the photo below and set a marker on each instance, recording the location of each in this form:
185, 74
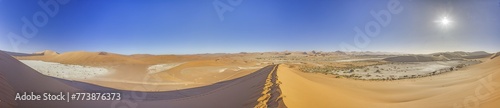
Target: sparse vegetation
386, 71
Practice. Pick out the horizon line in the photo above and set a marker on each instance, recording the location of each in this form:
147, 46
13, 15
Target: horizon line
366, 51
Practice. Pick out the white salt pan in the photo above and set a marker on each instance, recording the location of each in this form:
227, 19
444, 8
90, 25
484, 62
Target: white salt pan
65, 71
161, 67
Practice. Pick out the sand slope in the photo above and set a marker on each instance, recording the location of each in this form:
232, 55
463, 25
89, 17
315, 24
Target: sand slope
475, 86
495, 55
171, 72
241, 92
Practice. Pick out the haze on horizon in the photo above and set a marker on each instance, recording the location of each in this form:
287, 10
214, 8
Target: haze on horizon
194, 26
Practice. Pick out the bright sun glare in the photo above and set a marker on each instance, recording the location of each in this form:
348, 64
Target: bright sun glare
445, 21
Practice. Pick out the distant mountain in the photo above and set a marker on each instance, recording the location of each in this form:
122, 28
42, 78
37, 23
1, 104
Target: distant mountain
17, 54
463, 55
415, 58
458, 55
477, 55
83, 58
450, 55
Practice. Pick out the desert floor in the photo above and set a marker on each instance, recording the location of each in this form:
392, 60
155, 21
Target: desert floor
301, 80
473, 87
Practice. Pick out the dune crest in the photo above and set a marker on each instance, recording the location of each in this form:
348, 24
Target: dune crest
46, 53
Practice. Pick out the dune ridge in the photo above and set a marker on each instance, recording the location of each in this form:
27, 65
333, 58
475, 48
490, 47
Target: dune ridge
271, 95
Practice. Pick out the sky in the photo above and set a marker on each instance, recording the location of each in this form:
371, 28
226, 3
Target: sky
195, 26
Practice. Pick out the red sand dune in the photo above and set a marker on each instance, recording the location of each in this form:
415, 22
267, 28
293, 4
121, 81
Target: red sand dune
474, 86
477, 86
236, 93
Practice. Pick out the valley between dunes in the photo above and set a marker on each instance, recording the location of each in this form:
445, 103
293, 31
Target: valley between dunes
238, 80
477, 86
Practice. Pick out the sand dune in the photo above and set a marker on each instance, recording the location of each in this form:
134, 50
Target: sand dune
475, 86
46, 53
84, 58
495, 55
202, 80
166, 69
240, 92
7, 93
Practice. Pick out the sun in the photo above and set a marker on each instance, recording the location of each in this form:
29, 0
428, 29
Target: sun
445, 21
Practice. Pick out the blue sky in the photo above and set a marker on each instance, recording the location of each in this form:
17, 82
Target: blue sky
193, 26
